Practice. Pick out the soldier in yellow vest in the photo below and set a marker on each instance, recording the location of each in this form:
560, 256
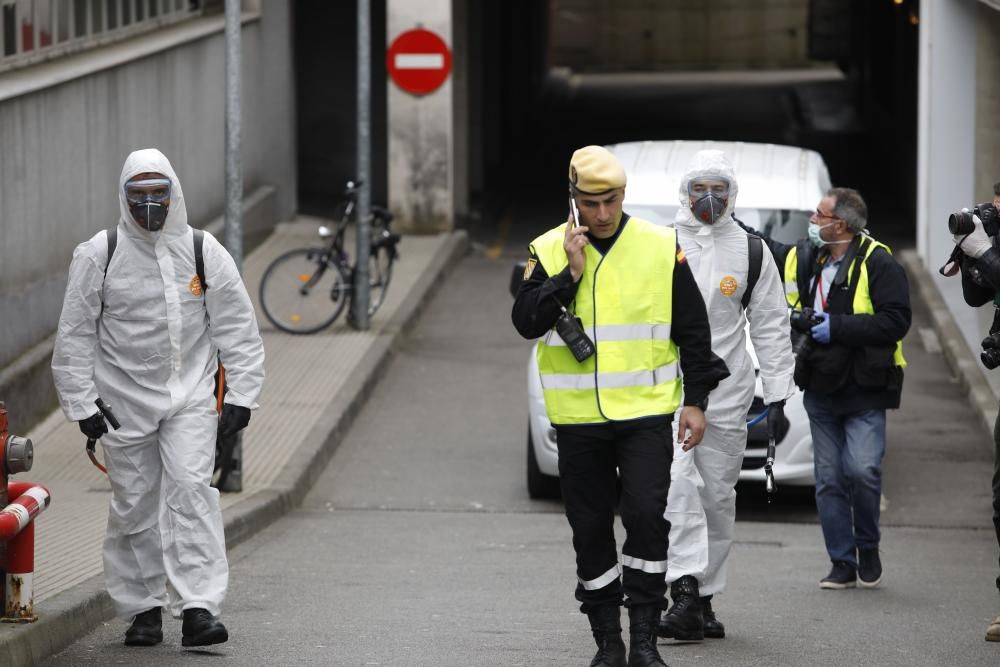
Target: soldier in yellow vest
851, 305
627, 284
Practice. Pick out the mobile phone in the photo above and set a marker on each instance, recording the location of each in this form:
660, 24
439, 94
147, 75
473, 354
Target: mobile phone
574, 212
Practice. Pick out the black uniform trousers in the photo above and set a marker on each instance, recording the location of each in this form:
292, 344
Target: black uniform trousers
590, 458
996, 481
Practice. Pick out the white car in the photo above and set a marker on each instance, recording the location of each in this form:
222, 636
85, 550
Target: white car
779, 189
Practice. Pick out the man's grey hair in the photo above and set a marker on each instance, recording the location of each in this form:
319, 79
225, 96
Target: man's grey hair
849, 207
996, 188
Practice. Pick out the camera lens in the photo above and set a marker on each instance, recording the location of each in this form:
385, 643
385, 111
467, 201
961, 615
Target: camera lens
961, 223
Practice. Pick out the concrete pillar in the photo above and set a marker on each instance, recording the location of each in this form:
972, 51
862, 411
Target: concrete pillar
946, 151
421, 134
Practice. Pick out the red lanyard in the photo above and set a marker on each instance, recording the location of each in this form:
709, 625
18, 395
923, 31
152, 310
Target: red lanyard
819, 286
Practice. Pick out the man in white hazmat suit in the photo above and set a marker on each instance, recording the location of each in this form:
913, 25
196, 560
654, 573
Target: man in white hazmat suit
144, 337
701, 505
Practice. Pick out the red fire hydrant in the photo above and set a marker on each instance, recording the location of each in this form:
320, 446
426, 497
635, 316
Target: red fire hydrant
17, 530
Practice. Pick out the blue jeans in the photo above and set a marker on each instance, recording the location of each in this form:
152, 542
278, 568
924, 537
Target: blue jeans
847, 454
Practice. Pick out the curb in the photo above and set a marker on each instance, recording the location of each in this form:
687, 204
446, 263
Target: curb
73, 613
956, 352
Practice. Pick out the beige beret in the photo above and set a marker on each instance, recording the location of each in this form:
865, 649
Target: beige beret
593, 170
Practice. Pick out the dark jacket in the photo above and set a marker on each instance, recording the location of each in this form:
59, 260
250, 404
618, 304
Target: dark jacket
856, 368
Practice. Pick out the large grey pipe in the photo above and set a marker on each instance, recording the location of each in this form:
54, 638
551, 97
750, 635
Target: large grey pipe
234, 177
234, 185
361, 295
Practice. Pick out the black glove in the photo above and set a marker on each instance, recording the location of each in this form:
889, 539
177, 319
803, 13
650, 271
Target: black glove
94, 426
234, 418
775, 414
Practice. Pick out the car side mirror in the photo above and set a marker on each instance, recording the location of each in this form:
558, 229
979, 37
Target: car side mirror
517, 277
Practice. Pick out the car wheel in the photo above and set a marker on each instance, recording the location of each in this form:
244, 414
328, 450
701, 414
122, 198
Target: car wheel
540, 485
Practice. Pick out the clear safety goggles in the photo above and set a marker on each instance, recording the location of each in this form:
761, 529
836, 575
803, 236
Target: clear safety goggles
703, 186
151, 190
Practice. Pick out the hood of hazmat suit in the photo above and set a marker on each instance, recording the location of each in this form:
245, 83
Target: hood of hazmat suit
146, 338
701, 505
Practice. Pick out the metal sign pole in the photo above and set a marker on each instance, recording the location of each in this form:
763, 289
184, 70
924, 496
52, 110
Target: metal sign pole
361, 295
234, 184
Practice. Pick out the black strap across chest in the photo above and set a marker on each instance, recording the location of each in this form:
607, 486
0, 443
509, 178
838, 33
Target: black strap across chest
199, 257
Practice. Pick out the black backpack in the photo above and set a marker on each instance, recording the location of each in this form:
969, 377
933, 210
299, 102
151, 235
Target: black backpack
755, 248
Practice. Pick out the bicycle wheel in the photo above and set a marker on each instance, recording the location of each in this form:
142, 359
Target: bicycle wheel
379, 274
301, 292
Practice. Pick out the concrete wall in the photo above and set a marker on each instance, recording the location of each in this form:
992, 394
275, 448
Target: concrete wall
63, 143
957, 140
421, 137
615, 35
987, 135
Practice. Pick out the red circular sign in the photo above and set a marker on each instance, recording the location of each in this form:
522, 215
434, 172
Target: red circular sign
418, 61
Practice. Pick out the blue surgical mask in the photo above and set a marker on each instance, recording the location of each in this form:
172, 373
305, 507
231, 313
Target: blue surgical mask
814, 236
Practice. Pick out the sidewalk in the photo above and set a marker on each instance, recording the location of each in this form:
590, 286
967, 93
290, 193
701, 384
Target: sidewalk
314, 387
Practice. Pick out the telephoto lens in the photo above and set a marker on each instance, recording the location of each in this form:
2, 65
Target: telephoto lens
961, 222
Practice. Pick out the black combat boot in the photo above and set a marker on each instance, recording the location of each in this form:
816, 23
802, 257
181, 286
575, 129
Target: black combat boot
146, 628
714, 629
200, 628
684, 620
605, 623
642, 634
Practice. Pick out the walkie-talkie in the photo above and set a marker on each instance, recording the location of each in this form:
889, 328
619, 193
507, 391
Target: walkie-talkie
570, 329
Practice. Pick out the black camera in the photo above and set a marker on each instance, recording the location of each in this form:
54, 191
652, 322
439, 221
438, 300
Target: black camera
571, 331
802, 322
991, 351
961, 222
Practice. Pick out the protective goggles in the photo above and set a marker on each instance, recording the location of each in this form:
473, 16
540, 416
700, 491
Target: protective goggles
703, 186
152, 190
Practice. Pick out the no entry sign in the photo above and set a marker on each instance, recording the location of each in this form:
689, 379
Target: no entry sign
418, 61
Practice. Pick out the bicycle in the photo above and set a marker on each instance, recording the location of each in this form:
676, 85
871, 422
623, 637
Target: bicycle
304, 290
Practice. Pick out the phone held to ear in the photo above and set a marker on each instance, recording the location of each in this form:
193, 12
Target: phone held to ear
574, 212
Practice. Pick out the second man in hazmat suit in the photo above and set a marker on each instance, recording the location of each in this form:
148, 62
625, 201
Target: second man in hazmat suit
143, 333
701, 505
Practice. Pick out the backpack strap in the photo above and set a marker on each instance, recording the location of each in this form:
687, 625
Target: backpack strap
112, 244
199, 258
755, 253
112, 236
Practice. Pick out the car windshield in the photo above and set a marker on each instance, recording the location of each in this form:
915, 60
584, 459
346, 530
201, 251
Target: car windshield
780, 224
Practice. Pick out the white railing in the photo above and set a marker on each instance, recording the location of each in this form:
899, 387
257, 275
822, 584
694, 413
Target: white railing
35, 30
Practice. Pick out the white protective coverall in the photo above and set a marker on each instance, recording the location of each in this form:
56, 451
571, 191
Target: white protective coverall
151, 355
701, 505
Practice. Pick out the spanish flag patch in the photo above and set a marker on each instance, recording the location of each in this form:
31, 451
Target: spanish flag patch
681, 257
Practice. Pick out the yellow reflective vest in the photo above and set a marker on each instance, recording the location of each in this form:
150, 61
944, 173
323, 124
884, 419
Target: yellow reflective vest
624, 301
862, 303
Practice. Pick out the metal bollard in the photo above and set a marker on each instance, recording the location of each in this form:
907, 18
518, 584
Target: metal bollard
17, 530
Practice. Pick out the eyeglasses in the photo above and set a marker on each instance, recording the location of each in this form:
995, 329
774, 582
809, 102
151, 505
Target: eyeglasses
156, 190
820, 214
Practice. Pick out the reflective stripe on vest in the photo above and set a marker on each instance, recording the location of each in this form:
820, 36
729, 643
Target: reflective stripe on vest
862, 304
634, 372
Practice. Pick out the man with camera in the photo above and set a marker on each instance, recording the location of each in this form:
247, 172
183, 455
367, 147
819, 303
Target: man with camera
851, 309
975, 236
620, 319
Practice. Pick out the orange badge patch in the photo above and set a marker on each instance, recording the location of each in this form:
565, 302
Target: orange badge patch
681, 257
195, 286
529, 267
728, 286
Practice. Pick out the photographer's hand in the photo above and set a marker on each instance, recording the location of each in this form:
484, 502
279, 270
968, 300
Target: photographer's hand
821, 331
976, 243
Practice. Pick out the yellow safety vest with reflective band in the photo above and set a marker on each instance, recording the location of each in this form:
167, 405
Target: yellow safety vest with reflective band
862, 304
624, 301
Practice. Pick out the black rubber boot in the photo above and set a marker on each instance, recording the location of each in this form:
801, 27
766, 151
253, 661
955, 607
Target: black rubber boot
605, 623
642, 634
202, 629
714, 629
684, 620
146, 628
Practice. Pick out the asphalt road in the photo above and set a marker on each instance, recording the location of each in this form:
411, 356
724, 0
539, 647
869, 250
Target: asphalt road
419, 545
